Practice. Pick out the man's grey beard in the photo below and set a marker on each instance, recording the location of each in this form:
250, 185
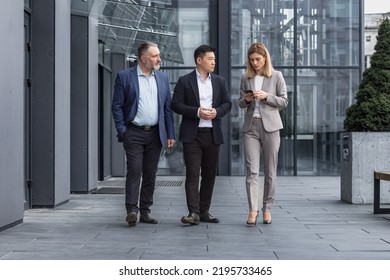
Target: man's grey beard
151, 67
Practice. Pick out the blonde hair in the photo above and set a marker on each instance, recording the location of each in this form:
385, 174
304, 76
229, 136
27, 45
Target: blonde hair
262, 50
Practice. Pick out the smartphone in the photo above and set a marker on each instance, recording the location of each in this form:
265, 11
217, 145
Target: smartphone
248, 91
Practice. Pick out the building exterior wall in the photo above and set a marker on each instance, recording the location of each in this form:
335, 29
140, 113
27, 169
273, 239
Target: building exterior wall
11, 113
371, 26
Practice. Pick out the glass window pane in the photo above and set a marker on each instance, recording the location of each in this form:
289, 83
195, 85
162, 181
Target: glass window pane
268, 22
193, 31
322, 98
328, 33
124, 25
236, 122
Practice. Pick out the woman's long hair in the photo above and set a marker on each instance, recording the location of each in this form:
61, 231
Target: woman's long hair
267, 68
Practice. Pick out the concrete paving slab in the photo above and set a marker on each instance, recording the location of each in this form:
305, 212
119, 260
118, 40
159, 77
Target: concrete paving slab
310, 222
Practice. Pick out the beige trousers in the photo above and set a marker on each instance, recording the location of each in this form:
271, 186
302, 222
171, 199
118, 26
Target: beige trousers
255, 140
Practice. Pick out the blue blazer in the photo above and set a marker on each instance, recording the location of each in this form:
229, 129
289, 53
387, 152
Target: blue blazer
125, 103
186, 102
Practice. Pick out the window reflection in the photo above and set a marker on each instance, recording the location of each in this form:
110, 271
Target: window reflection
327, 32
308, 40
322, 99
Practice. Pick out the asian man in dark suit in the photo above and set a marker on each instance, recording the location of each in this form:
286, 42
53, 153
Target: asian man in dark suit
141, 108
202, 98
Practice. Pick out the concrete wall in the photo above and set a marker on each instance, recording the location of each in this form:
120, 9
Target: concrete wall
11, 113
367, 152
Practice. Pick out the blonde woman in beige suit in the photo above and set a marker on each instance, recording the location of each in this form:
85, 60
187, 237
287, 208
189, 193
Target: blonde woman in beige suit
262, 94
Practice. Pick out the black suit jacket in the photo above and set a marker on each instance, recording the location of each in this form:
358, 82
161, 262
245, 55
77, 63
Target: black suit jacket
186, 102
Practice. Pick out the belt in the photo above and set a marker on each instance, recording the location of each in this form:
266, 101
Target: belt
204, 129
143, 127
257, 117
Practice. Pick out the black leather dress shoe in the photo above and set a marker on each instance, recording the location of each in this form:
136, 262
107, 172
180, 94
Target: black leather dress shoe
131, 218
207, 218
147, 218
192, 219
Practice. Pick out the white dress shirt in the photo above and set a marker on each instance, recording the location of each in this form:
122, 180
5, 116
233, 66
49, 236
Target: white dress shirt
205, 96
258, 85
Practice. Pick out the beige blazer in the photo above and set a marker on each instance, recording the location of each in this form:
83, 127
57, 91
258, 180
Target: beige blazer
276, 101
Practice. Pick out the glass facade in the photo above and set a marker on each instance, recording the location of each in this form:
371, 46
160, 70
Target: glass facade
316, 44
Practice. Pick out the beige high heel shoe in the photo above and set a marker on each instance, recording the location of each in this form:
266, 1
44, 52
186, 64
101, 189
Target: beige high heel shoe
252, 218
267, 217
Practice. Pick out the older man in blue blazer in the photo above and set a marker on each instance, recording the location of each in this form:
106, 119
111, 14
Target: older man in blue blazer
141, 108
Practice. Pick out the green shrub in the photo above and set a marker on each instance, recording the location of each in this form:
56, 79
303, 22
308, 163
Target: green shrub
371, 112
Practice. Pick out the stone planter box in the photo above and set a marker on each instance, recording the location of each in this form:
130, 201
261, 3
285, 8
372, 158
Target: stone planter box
362, 154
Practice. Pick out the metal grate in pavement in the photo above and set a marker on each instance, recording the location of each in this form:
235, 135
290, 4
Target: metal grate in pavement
117, 186
169, 183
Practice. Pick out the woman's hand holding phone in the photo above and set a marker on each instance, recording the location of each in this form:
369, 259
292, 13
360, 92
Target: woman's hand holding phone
248, 95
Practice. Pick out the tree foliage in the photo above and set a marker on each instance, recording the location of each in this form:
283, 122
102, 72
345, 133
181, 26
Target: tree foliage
371, 112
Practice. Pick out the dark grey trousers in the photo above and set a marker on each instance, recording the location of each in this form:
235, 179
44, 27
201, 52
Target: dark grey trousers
143, 150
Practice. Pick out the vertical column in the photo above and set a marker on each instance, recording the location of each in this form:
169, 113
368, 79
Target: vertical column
84, 103
79, 103
11, 114
118, 161
93, 102
220, 15
50, 111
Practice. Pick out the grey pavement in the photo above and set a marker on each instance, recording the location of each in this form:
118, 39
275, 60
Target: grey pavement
310, 222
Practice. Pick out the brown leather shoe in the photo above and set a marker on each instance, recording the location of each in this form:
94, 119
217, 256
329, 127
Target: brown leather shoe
147, 218
267, 217
131, 219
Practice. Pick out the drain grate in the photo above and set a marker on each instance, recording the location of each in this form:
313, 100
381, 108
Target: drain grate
169, 183
111, 184
117, 186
